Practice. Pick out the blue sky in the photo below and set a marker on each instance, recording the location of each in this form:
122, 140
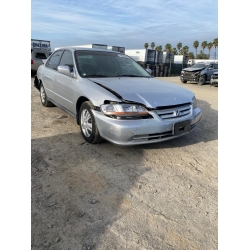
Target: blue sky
125, 23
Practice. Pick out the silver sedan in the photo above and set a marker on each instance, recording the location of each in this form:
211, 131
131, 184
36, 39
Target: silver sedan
114, 98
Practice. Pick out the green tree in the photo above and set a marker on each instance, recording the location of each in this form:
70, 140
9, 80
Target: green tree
203, 45
175, 52
152, 45
158, 48
190, 55
201, 55
209, 47
146, 45
184, 50
196, 45
179, 46
215, 43
168, 47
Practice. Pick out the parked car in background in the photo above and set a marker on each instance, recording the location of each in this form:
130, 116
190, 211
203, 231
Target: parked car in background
214, 79
112, 97
200, 73
192, 73
37, 56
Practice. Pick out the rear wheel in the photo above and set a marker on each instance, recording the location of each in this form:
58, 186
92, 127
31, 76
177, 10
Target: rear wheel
43, 97
202, 80
88, 125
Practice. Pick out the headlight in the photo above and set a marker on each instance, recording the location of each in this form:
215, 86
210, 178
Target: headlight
194, 102
182, 72
124, 110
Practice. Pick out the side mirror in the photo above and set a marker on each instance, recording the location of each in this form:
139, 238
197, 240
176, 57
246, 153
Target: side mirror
149, 71
65, 69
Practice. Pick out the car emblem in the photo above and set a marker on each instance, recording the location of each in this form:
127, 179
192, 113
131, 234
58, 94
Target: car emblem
178, 112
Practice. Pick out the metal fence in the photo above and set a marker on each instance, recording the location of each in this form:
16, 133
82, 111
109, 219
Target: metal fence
165, 70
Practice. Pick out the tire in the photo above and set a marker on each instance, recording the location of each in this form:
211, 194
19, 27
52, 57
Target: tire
43, 97
202, 80
88, 125
183, 81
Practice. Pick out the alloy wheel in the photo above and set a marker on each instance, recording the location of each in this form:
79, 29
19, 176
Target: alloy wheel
86, 123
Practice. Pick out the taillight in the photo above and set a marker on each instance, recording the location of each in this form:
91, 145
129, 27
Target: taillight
32, 61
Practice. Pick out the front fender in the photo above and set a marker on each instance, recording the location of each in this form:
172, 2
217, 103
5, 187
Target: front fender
202, 73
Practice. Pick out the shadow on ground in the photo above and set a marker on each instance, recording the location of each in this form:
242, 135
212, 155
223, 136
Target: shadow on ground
79, 190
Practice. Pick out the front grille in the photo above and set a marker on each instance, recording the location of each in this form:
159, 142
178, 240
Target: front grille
149, 137
156, 136
176, 112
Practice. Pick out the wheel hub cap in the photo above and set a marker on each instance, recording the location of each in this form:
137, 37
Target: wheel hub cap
86, 123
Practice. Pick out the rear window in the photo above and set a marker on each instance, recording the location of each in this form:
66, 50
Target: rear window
40, 56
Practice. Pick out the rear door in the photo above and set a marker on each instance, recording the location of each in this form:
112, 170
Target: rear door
49, 73
64, 85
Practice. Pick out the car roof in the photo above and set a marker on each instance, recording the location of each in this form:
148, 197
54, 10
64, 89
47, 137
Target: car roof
74, 48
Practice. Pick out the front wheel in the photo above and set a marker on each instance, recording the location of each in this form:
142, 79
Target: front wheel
202, 80
183, 81
88, 125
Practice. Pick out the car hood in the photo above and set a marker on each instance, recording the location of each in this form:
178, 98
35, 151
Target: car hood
148, 91
193, 69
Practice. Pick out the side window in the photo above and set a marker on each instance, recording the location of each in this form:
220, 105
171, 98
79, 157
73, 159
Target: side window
216, 66
54, 60
67, 59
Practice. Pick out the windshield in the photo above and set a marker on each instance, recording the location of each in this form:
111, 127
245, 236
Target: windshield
199, 65
107, 64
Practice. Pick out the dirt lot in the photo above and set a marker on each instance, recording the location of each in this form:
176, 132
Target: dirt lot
155, 196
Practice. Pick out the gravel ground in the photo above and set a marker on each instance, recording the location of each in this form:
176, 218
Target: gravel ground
104, 196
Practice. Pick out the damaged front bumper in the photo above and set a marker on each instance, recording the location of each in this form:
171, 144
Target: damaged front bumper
143, 131
190, 77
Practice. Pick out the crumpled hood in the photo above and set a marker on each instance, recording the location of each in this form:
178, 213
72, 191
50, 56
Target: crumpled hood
193, 69
148, 91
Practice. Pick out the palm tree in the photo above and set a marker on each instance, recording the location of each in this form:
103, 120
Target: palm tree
175, 52
203, 45
196, 45
152, 45
209, 47
215, 43
146, 45
179, 46
185, 50
160, 48
168, 47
